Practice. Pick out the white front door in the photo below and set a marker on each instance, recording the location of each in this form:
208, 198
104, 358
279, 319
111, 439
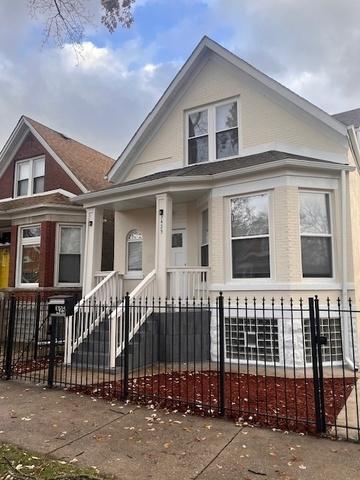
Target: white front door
178, 247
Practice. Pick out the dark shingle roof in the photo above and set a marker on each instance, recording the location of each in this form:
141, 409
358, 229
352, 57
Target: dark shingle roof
24, 202
351, 117
212, 168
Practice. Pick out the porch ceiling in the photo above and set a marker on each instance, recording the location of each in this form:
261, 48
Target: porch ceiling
149, 200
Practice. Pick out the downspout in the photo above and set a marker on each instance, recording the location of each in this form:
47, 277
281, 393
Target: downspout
344, 289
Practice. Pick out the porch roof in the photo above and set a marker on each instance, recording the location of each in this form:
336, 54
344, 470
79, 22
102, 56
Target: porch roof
204, 173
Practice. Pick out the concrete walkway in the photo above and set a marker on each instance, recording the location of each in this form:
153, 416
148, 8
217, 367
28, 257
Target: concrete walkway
143, 443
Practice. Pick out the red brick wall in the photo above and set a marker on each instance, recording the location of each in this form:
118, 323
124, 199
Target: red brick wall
47, 254
55, 177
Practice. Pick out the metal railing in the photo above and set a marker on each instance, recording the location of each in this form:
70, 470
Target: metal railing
283, 364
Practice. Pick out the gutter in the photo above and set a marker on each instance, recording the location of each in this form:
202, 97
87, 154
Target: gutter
210, 178
354, 145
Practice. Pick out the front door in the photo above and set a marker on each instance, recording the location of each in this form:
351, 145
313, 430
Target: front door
4, 266
178, 248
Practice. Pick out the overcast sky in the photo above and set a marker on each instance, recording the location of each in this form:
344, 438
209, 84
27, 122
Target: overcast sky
311, 46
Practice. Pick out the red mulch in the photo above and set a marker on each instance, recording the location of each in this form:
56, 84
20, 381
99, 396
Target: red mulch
29, 366
276, 402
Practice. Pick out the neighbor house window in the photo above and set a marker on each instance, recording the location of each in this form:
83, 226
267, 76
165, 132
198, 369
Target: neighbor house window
69, 256
29, 177
213, 132
250, 237
315, 228
29, 255
205, 238
134, 251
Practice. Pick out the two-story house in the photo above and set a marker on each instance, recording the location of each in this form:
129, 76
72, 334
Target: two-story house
42, 233
232, 183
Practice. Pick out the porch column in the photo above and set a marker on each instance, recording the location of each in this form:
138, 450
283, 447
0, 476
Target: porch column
163, 241
93, 247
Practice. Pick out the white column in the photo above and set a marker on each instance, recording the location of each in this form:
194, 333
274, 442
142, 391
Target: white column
163, 241
93, 247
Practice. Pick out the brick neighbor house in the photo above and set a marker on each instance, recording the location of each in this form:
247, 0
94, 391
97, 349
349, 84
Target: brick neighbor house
41, 232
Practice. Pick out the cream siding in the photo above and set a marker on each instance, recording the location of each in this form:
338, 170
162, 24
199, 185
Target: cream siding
264, 119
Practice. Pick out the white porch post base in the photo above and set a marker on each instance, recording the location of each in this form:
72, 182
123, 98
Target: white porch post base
163, 241
93, 247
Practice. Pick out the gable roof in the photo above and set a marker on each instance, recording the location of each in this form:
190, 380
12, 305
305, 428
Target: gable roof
84, 165
206, 46
350, 117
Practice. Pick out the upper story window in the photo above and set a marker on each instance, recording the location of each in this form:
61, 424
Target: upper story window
250, 236
315, 229
213, 132
29, 177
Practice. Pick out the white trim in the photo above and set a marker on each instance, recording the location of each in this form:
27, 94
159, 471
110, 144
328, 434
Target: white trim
330, 235
48, 192
57, 254
278, 286
20, 244
205, 46
269, 235
13, 143
210, 108
30, 161
207, 181
56, 157
134, 274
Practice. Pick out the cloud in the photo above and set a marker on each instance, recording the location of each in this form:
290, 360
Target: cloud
310, 46
99, 100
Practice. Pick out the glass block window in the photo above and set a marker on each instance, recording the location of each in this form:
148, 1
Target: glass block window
252, 339
331, 329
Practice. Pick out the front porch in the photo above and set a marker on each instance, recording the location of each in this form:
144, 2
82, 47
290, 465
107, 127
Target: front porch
160, 247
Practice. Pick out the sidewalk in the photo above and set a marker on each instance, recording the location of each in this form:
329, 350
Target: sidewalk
140, 443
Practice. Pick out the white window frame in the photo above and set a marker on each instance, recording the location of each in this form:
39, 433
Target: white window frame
211, 110
329, 235
201, 236
20, 243
59, 226
255, 280
30, 161
133, 274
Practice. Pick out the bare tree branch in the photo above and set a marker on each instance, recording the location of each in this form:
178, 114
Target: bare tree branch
65, 21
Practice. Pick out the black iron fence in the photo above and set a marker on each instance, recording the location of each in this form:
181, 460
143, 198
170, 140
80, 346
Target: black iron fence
286, 364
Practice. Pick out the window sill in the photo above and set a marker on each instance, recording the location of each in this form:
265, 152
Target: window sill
134, 276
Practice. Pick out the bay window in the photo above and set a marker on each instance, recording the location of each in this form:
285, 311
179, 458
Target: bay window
70, 240
250, 236
213, 132
29, 177
316, 237
29, 255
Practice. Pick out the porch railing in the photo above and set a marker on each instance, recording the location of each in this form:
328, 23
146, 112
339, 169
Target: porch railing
141, 295
188, 282
91, 311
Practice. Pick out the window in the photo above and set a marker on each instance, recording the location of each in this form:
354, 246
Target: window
252, 339
69, 256
29, 255
213, 132
227, 132
198, 141
29, 177
134, 251
315, 228
331, 329
205, 238
250, 237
